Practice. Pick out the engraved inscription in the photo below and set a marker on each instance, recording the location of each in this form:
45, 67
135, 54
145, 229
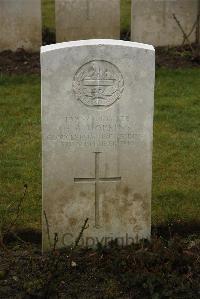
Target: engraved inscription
96, 131
98, 84
97, 180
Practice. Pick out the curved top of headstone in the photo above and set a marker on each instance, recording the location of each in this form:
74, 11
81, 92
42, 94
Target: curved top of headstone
95, 42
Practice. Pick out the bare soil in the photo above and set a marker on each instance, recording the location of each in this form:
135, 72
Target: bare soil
178, 57
166, 267
21, 62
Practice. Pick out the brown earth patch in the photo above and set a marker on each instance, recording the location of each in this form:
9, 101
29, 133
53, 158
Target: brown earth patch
166, 267
178, 57
21, 62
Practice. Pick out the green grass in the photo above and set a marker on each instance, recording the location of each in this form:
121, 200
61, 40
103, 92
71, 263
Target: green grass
48, 14
20, 150
176, 160
176, 163
125, 15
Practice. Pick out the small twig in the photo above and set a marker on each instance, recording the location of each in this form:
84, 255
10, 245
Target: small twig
58, 258
198, 30
18, 211
47, 225
127, 36
18, 238
3, 246
84, 227
184, 34
198, 27
193, 27
55, 241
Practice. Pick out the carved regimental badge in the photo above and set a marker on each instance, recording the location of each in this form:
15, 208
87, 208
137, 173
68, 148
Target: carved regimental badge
98, 84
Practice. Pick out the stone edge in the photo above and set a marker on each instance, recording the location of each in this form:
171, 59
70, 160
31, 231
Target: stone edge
95, 42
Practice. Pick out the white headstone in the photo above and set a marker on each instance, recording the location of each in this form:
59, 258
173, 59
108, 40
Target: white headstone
97, 122
153, 21
85, 19
20, 23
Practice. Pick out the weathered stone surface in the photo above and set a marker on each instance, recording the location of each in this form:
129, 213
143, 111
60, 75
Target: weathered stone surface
85, 19
20, 23
97, 119
153, 22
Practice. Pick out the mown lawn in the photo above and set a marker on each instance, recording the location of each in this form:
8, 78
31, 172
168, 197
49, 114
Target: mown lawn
176, 159
20, 150
176, 163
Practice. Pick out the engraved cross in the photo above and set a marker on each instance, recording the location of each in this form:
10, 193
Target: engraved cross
97, 180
